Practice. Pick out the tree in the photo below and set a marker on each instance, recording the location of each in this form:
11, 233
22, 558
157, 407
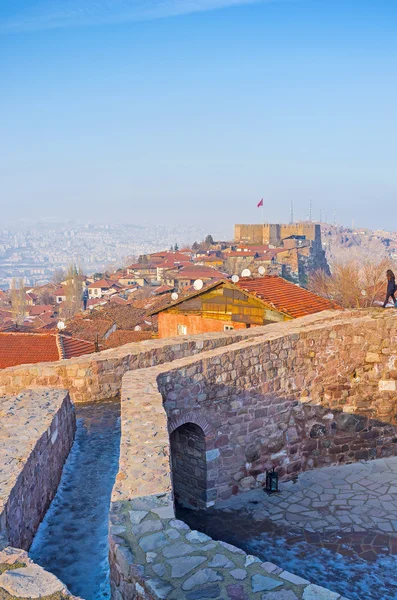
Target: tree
176, 247
58, 276
73, 291
18, 301
209, 240
196, 246
352, 284
46, 297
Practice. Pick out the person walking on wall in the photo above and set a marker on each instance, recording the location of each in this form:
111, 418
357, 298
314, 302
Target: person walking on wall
391, 287
85, 297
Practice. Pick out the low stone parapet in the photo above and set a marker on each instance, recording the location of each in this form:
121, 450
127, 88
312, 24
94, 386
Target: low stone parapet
98, 376
36, 434
21, 578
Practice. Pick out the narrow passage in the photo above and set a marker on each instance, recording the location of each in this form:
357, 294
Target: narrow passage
71, 542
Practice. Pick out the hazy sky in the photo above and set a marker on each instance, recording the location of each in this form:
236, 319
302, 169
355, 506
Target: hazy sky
176, 111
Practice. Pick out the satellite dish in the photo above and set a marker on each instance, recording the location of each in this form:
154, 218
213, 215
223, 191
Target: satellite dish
137, 328
61, 325
174, 296
363, 292
261, 270
235, 278
246, 273
198, 284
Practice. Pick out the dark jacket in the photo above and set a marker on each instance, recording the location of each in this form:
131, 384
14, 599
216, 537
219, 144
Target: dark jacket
391, 287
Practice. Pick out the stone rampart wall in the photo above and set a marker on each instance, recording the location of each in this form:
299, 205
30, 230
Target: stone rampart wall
154, 556
292, 399
98, 376
36, 434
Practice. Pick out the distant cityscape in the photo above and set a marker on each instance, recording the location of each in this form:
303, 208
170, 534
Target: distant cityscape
34, 253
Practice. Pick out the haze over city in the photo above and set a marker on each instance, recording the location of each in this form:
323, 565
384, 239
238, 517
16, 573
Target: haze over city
173, 112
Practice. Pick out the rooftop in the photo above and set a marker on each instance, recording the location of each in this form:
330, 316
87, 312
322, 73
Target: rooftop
286, 297
30, 348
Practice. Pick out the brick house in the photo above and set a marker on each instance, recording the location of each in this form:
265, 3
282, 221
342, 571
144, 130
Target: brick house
223, 306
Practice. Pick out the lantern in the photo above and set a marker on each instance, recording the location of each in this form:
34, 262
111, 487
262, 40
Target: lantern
271, 482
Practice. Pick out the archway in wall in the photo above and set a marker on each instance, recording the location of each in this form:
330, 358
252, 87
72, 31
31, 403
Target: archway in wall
189, 468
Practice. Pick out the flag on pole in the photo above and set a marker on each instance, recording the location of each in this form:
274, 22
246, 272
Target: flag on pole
260, 203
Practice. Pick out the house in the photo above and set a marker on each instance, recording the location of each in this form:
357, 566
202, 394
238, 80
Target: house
28, 348
41, 309
60, 294
102, 287
142, 272
183, 278
213, 259
223, 306
285, 297
93, 328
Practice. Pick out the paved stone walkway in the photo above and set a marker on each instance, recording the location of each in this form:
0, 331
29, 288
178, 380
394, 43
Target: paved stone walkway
152, 553
350, 498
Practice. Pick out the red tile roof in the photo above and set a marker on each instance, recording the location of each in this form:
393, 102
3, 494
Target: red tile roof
116, 299
87, 328
235, 254
27, 348
121, 337
104, 284
40, 309
286, 297
72, 346
198, 272
162, 289
30, 348
61, 291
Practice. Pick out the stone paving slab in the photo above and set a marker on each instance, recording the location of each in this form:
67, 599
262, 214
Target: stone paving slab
350, 498
154, 558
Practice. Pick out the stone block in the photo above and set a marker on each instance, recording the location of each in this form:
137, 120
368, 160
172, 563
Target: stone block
387, 385
316, 592
372, 357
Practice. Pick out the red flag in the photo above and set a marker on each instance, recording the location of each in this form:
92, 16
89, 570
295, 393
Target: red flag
260, 203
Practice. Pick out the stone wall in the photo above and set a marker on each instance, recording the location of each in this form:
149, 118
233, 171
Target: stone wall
98, 376
36, 434
290, 399
154, 556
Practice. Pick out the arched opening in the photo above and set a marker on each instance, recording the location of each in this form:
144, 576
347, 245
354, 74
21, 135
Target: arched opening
189, 469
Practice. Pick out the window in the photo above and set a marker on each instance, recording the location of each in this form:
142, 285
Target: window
182, 330
228, 328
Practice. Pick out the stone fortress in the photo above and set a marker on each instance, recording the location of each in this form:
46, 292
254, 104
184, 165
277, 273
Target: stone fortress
202, 419
274, 233
298, 245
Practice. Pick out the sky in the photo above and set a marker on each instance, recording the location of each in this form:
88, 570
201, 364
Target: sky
191, 111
